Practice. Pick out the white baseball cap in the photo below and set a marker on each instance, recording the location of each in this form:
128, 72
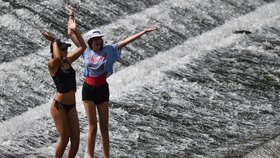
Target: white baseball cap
93, 33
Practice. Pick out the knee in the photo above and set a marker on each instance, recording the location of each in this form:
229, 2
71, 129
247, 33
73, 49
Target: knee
104, 130
75, 139
93, 128
64, 139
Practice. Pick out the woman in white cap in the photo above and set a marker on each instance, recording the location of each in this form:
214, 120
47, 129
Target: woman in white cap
99, 60
63, 106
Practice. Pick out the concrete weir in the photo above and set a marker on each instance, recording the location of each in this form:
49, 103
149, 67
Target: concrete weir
270, 149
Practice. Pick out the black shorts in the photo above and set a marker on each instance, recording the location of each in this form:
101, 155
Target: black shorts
96, 94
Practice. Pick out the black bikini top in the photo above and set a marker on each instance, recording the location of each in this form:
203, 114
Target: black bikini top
65, 79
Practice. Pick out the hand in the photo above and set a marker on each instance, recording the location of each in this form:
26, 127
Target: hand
69, 8
150, 29
48, 36
72, 24
71, 20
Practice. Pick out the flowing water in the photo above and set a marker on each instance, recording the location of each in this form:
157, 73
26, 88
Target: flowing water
204, 85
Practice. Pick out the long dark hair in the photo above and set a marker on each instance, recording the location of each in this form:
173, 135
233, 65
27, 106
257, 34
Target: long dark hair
90, 44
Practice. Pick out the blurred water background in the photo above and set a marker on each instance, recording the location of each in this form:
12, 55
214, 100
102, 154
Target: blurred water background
204, 85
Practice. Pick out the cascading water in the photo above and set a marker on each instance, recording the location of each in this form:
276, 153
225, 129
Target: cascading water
191, 89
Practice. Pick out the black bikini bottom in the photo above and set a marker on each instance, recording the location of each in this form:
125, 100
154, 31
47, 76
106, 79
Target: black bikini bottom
67, 108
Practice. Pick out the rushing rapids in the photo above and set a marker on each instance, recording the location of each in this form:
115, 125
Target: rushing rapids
198, 87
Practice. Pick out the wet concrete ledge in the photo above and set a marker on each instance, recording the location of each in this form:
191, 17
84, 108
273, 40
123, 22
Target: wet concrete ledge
270, 149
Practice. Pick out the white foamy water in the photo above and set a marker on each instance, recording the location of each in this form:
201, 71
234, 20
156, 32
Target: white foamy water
149, 72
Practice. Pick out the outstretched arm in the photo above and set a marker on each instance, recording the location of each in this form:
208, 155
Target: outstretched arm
75, 36
130, 39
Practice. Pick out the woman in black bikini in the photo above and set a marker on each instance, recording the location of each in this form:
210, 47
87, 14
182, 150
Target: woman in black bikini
63, 108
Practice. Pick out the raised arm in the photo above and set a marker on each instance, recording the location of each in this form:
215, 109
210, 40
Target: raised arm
75, 36
130, 39
56, 54
57, 57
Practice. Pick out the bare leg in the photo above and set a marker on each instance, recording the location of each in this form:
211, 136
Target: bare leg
74, 129
103, 112
92, 121
59, 117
